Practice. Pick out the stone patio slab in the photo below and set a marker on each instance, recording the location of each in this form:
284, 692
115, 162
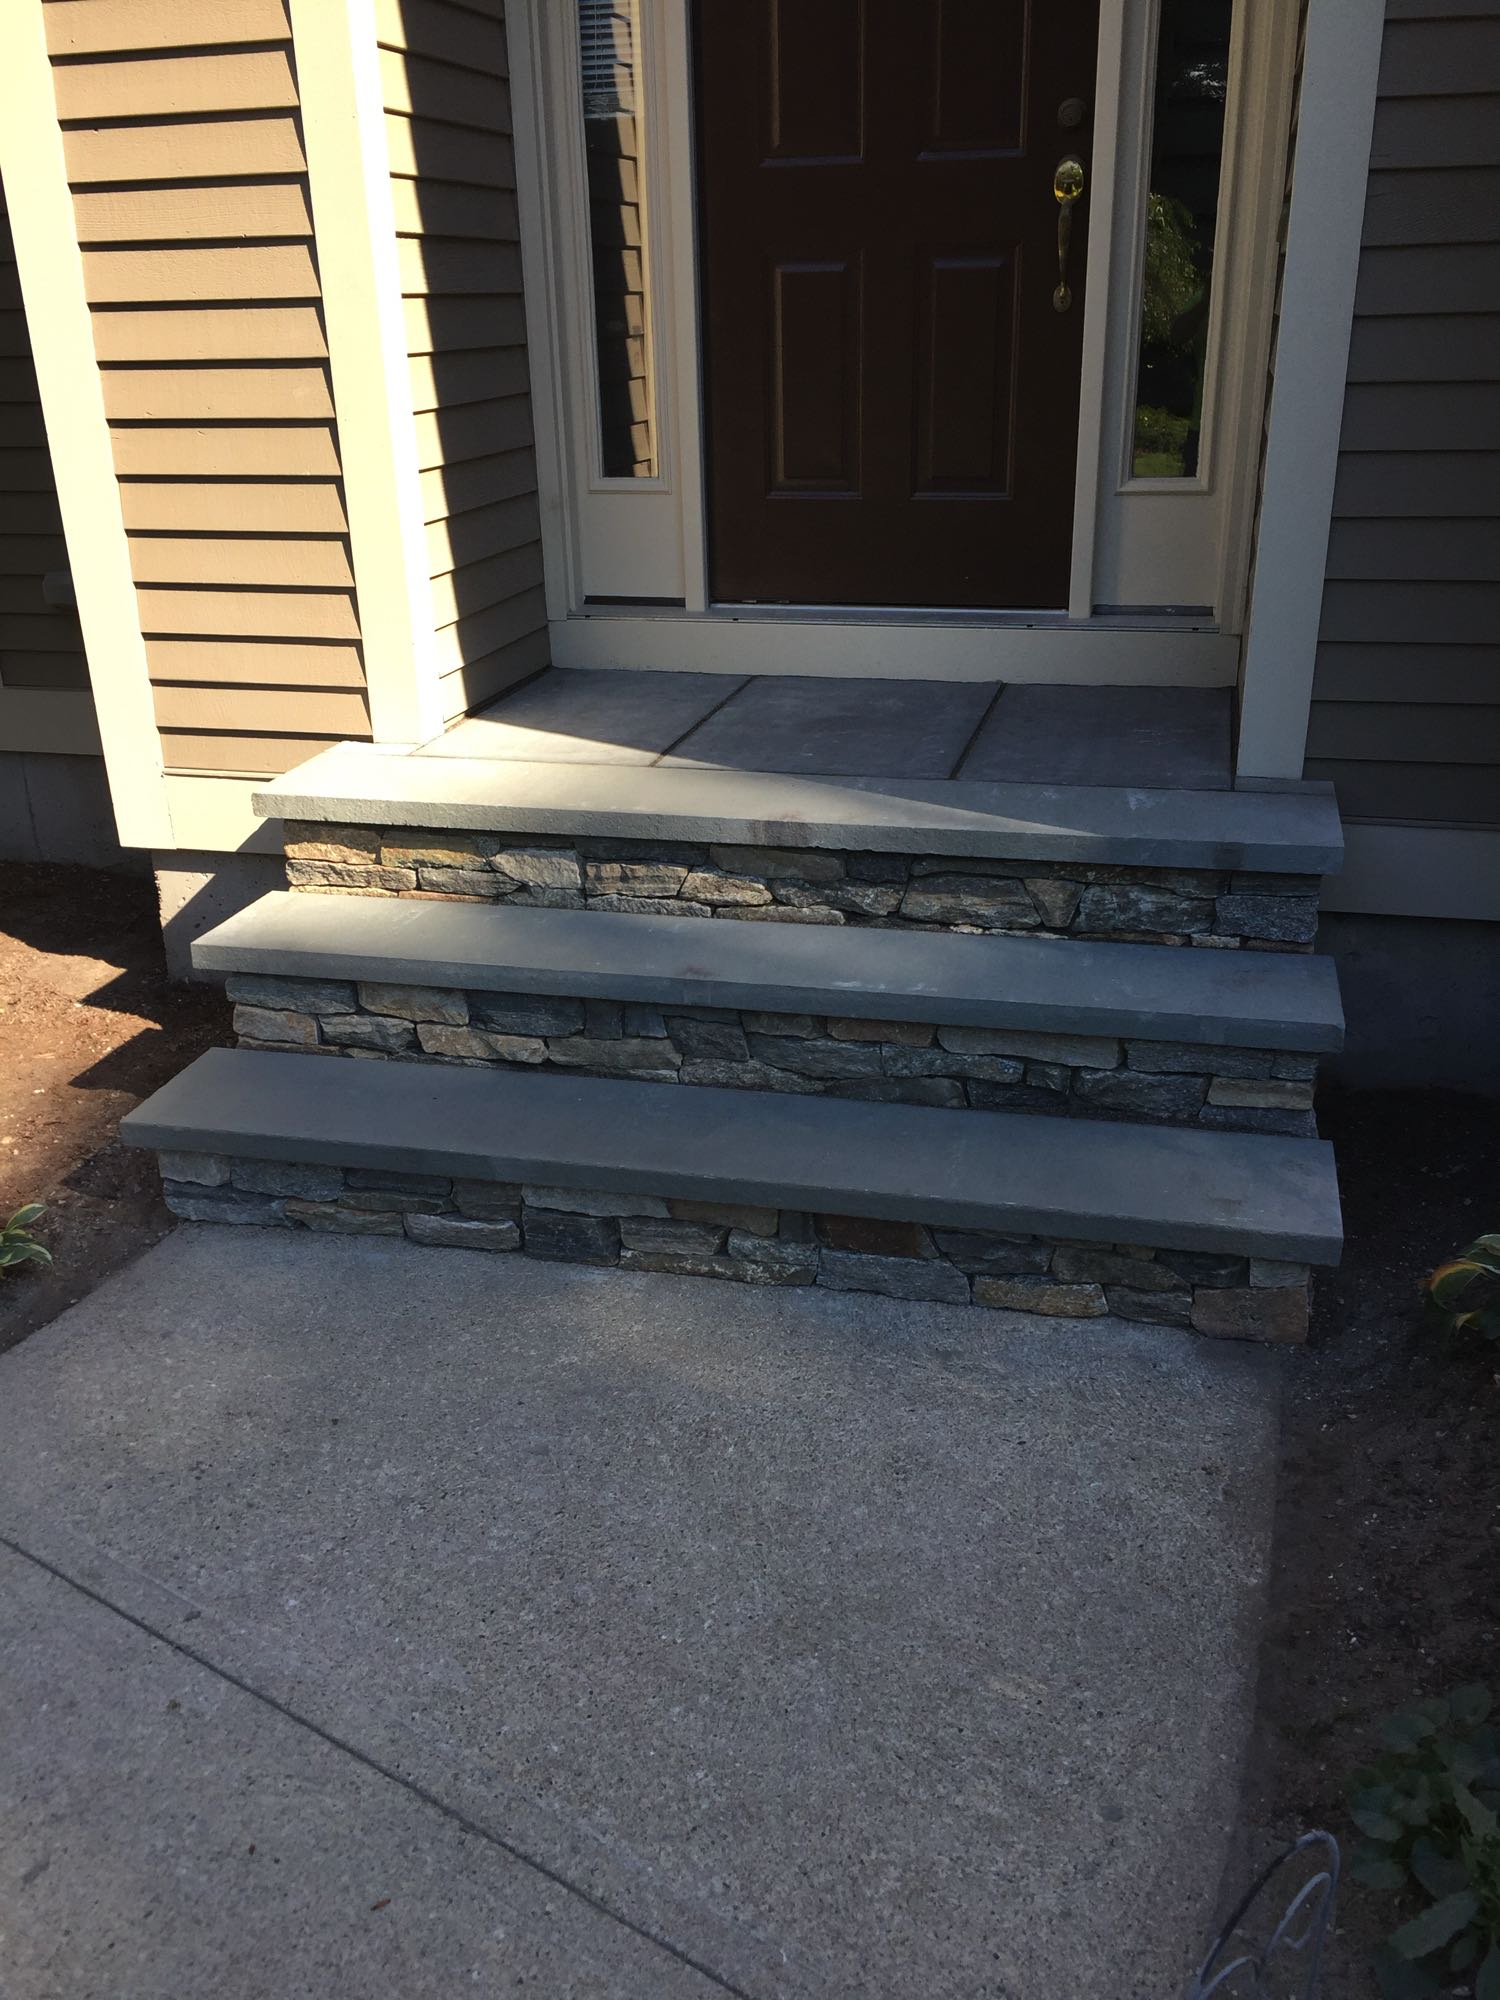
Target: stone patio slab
588, 715
1160, 736
843, 1647
838, 728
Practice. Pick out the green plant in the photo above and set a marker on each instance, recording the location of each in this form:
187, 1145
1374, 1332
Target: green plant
1465, 1292
1171, 280
17, 1244
1429, 1810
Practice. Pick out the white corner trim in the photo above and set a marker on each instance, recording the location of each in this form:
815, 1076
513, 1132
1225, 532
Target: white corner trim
348, 172
1335, 120
1418, 871
213, 815
50, 268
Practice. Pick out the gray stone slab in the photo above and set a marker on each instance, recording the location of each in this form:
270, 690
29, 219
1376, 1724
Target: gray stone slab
1164, 1187
854, 1648
1157, 736
192, 1838
1268, 1000
588, 715
839, 728
363, 784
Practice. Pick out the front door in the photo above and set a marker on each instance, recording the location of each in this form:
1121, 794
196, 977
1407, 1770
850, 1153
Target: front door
891, 352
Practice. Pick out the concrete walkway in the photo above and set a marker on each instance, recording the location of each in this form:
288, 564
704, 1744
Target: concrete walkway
388, 1622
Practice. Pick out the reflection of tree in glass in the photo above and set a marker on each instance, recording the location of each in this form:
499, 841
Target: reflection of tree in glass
1173, 282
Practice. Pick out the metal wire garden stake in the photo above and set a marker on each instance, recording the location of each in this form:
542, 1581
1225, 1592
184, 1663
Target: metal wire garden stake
1272, 1948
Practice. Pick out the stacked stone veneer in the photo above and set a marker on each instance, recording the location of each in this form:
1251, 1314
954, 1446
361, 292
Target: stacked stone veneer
990, 1069
1211, 1294
1186, 906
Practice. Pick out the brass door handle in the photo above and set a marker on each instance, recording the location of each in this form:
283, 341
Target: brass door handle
1067, 186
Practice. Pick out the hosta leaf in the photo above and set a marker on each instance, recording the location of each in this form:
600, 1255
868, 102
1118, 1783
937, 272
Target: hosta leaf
1377, 1825
1478, 1818
24, 1217
1436, 1927
1471, 1704
1377, 1870
1487, 1983
1439, 1874
1407, 1728
1399, 1979
1465, 1951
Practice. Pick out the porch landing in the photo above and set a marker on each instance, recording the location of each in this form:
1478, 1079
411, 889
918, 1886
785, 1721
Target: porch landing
1158, 737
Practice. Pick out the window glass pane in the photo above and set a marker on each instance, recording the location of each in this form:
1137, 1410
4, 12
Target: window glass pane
609, 52
1187, 150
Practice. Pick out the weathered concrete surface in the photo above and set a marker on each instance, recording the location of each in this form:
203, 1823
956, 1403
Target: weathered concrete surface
840, 1647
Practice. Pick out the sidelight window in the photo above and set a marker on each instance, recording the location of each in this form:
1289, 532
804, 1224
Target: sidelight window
1182, 218
610, 64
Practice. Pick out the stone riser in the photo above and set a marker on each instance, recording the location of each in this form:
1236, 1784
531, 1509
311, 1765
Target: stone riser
1205, 1292
880, 1061
1191, 906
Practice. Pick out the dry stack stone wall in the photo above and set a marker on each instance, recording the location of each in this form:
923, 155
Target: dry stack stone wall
1218, 909
1229, 1296
989, 1069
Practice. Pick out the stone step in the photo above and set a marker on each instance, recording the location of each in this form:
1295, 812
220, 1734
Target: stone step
1285, 833
1227, 1039
1213, 1230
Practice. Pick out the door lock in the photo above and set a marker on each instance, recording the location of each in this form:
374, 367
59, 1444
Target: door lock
1067, 187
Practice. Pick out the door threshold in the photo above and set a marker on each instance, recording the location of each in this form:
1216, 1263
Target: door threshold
1165, 618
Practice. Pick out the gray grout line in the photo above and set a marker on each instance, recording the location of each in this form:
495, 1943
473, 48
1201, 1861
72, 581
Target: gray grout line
421, 1792
989, 709
707, 716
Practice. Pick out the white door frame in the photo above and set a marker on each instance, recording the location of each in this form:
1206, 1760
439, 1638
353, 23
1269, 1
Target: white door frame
1115, 518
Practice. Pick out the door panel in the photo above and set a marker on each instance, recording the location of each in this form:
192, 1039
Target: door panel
892, 400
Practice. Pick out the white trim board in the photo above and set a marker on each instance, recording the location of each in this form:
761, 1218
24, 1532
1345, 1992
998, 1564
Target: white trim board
891, 646
50, 267
1417, 871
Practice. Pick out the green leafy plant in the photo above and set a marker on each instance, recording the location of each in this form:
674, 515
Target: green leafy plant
1429, 1810
17, 1244
1465, 1292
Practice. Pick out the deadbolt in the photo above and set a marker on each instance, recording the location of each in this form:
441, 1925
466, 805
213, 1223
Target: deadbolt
1072, 111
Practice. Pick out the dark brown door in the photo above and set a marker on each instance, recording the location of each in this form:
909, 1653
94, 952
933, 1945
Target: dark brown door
892, 396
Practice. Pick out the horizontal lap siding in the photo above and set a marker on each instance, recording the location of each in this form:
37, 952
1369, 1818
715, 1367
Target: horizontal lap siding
447, 103
183, 139
1406, 708
40, 643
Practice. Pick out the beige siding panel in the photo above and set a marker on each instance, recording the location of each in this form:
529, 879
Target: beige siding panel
111, 27
422, 89
453, 489
438, 264
1443, 278
177, 86
1457, 347
22, 428
1413, 483
439, 382
259, 272
224, 507
488, 630
1459, 551
27, 471
291, 562
31, 554
182, 214
1454, 58
23, 512
185, 150
1446, 205
269, 452
480, 680
188, 333
1401, 673
1421, 416
1411, 613
1407, 732
440, 208
466, 538
1404, 132
431, 28
250, 614
466, 592
255, 663
54, 632
484, 428
299, 711
442, 326
202, 395
46, 670
418, 147
1454, 794
252, 756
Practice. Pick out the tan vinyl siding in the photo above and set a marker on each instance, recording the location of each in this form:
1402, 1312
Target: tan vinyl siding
40, 643
1406, 700
183, 140
447, 104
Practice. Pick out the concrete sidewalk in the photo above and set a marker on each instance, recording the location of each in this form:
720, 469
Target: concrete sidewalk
389, 1622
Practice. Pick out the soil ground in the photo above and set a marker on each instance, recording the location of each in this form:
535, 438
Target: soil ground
1386, 1570
88, 1027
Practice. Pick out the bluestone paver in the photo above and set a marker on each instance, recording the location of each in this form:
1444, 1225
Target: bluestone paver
836, 728
588, 715
1105, 736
